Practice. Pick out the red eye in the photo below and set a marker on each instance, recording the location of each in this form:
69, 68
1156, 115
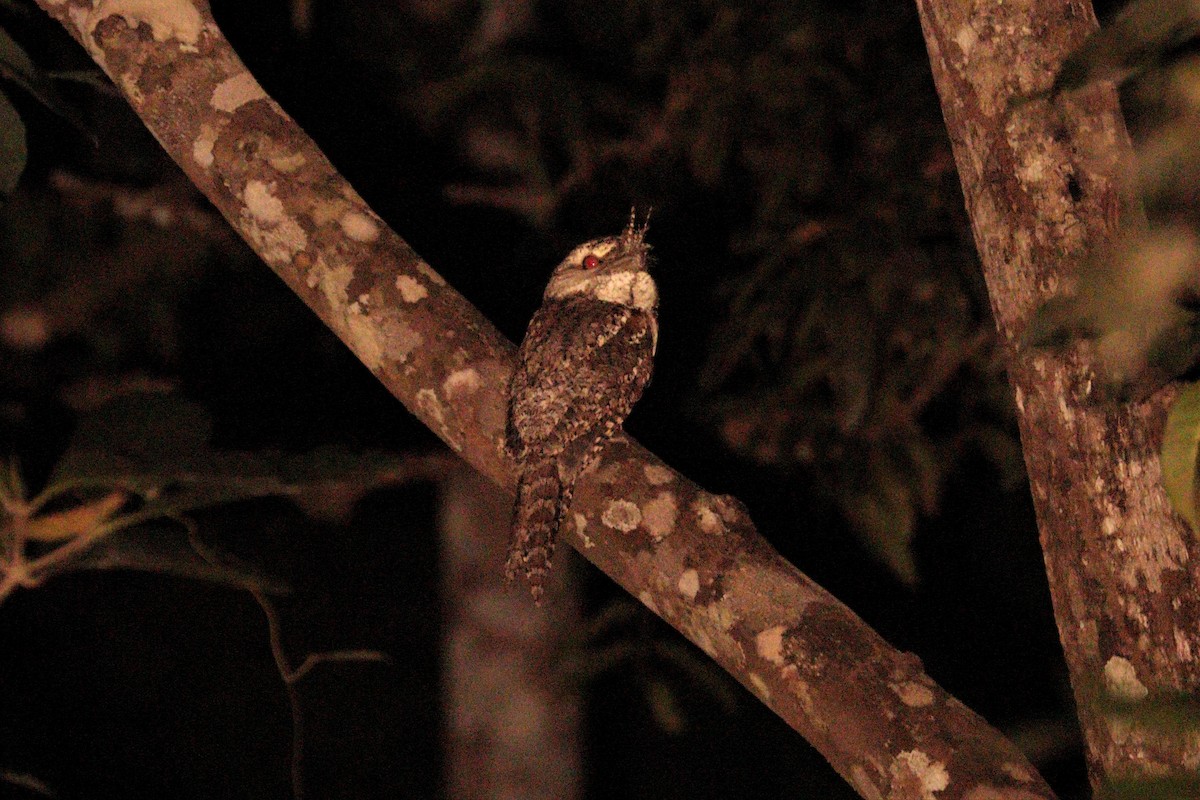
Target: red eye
590, 262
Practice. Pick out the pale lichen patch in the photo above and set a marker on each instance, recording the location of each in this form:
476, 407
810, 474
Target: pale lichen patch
430, 273
769, 644
689, 583
1149, 554
621, 515
332, 283
1017, 771
430, 407
581, 528
202, 145
657, 475
275, 235
326, 209
1183, 647
179, 21
710, 630
913, 693
659, 515
461, 382
1065, 411
81, 19
706, 519
287, 163
400, 338
966, 37
915, 770
360, 227
1191, 756
362, 337
721, 616
262, 203
411, 290
1121, 679
129, 85
804, 692
701, 639
235, 91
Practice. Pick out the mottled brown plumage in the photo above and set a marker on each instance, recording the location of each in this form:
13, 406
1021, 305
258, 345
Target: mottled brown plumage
584, 362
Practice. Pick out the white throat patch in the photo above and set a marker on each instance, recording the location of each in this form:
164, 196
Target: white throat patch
633, 289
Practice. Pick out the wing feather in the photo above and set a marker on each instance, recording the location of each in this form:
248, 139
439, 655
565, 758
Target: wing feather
583, 363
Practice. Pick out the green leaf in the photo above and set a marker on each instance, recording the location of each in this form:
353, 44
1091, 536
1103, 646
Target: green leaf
1175, 713
1131, 304
917, 457
92, 78
76, 521
1182, 786
140, 440
15, 63
664, 705
882, 512
1144, 34
1180, 448
166, 549
1057, 322
157, 446
14, 152
16, 66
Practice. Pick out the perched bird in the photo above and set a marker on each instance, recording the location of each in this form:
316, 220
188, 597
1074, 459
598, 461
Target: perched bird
584, 362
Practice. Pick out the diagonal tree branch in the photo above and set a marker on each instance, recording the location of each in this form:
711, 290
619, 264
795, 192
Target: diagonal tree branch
1042, 185
692, 557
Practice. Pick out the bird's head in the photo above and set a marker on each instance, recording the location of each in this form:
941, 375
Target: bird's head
612, 269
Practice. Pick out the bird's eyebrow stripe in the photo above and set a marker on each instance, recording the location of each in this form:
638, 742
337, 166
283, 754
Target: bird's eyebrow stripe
598, 248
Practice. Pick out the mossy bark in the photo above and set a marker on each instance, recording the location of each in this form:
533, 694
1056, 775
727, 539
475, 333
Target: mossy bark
1042, 183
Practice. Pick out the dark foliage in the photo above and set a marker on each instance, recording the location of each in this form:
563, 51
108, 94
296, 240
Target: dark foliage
825, 335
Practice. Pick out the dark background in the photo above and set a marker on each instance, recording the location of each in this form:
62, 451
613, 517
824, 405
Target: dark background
814, 264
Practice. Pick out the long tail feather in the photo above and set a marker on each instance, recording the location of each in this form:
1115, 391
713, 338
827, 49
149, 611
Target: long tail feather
536, 518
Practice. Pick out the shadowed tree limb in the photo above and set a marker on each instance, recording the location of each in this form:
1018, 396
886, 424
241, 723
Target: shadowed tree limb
692, 557
1042, 185
513, 720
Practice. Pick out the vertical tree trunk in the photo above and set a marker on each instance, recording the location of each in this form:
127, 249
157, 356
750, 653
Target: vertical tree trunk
1041, 186
512, 716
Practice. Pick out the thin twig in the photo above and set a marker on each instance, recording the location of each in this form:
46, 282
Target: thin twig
291, 676
12, 500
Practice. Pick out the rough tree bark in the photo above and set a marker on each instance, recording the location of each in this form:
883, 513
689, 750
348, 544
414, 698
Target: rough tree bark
1042, 186
692, 557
